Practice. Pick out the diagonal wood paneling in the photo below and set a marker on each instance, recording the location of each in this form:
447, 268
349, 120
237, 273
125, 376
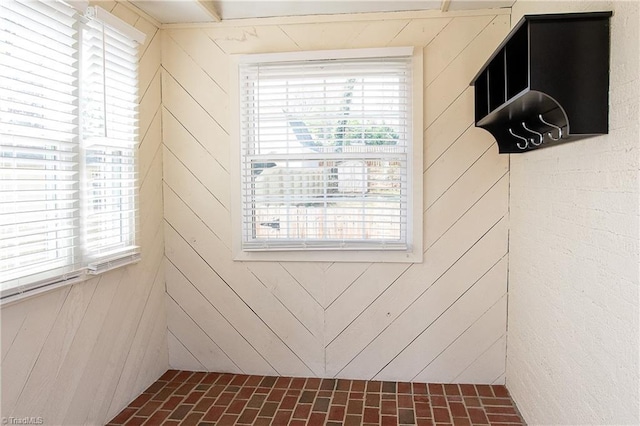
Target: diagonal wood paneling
443, 319
79, 354
468, 347
468, 308
433, 301
452, 81
283, 340
213, 322
439, 258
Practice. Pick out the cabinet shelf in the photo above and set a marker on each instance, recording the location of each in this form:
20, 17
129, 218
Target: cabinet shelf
548, 78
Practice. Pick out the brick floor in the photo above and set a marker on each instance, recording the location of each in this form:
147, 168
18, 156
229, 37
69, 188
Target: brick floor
187, 398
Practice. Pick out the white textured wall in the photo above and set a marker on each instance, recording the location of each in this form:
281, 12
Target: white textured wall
80, 354
443, 320
573, 340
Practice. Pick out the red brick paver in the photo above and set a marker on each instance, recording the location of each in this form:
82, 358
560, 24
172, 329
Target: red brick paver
186, 398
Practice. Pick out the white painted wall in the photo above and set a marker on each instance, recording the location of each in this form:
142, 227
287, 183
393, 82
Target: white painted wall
79, 354
573, 341
443, 320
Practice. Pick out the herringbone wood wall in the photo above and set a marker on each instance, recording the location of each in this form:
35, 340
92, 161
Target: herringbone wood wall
443, 320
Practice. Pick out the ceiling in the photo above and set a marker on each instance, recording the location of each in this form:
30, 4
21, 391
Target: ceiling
200, 11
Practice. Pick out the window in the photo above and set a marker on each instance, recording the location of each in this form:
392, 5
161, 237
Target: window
68, 128
330, 155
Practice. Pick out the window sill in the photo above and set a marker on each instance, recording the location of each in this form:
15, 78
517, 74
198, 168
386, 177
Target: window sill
33, 289
377, 256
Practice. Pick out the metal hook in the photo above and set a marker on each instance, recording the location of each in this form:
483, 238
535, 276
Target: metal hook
559, 129
526, 141
540, 135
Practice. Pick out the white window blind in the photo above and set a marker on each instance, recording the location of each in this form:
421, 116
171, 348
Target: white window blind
39, 152
68, 136
326, 153
109, 106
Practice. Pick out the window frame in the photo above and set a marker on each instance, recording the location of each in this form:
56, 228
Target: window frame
414, 253
89, 263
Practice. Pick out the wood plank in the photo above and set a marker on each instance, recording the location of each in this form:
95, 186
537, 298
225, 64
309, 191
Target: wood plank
70, 372
149, 104
450, 42
448, 127
420, 32
330, 35
151, 235
255, 304
406, 289
126, 14
377, 33
55, 348
201, 126
339, 276
252, 39
179, 357
149, 64
310, 275
204, 52
454, 163
291, 294
203, 203
195, 81
156, 354
365, 289
196, 341
444, 89
464, 192
198, 160
477, 300
491, 326
198, 299
42, 311
11, 320
154, 312
429, 305
489, 367
369, 16
150, 183
149, 145
502, 380
151, 209
100, 377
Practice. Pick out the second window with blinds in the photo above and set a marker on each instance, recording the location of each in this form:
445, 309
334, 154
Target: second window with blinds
328, 156
68, 143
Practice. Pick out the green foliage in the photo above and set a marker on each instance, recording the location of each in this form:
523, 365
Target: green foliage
352, 132
375, 135
343, 131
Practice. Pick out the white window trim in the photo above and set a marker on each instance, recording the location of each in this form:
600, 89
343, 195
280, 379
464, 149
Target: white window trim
415, 253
